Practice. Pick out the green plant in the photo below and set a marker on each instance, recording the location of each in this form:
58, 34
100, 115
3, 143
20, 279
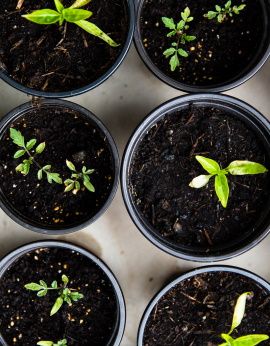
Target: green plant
31, 150
73, 14
66, 294
221, 181
180, 31
222, 13
51, 343
238, 315
73, 184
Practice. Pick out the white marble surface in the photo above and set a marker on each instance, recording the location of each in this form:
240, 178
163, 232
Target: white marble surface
122, 102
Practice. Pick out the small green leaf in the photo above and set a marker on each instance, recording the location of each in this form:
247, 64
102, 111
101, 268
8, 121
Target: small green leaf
19, 153
88, 185
222, 189
65, 279
54, 284
94, 30
40, 148
241, 7
218, 8
54, 177
42, 293
239, 310
26, 167
17, 137
43, 283
77, 185
209, 165
174, 62
57, 305
73, 15
172, 33
245, 167
185, 14
69, 187
249, 340
211, 15
47, 168
169, 23
59, 6
33, 286
70, 165
169, 52
221, 18
182, 52
200, 181
80, 3
40, 174
19, 168
181, 25
190, 38
75, 296
45, 343
44, 16
228, 4
31, 144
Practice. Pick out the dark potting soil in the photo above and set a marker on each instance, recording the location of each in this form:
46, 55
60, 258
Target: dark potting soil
25, 318
196, 311
57, 58
221, 51
68, 135
164, 164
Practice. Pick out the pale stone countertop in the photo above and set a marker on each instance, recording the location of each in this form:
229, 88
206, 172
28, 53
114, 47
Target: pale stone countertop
122, 102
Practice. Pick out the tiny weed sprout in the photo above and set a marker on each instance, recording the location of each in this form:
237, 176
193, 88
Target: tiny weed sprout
73, 14
178, 30
30, 150
238, 315
221, 181
51, 343
66, 294
222, 13
73, 184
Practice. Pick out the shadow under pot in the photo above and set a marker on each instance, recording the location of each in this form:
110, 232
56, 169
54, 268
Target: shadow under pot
229, 212
55, 291
80, 48
59, 166
197, 307
206, 48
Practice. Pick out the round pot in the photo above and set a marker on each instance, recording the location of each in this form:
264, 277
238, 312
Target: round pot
260, 127
249, 71
120, 320
58, 229
96, 83
258, 281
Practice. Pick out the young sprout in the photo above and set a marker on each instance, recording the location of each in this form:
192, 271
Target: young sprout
73, 14
238, 315
221, 180
66, 294
51, 343
73, 184
178, 30
222, 13
29, 149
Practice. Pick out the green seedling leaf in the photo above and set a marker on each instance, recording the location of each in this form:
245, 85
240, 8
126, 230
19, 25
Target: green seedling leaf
88, 185
200, 181
70, 165
239, 310
169, 23
40, 148
19, 153
31, 144
209, 165
222, 13
54, 177
80, 3
17, 137
211, 15
58, 5
42, 293
174, 62
40, 174
95, 31
182, 52
44, 16
222, 189
45, 343
250, 340
57, 306
33, 286
65, 279
246, 167
74, 15
169, 52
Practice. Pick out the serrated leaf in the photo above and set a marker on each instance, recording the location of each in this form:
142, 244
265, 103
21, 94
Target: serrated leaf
200, 181
57, 306
44, 16
169, 23
19, 153
54, 177
211, 15
80, 3
33, 286
245, 168
40, 148
31, 144
168, 52
17, 137
182, 53
222, 189
174, 62
209, 165
19, 168
73, 15
70, 165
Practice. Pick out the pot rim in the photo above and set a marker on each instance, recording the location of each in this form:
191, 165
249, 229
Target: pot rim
12, 213
12, 256
262, 126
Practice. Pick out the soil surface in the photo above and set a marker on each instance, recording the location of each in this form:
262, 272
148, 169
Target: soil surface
57, 58
194, 218
197, 310
221, 51
25, 318
68, 135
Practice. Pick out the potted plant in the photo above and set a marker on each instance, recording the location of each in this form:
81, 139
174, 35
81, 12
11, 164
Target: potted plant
59, 166
56, 293
216, 143
61, 48
218, 305
201, 46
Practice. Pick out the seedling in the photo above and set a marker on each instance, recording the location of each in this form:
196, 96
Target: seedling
221, 181
31, 150
73, 14
51, 343
223, 13
73, 184
238, 315
66, 294
178, 30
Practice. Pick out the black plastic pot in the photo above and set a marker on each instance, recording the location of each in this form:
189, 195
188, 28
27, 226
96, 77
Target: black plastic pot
254, 66
244, 112
33, 226
90, 86
11, 258
259, 281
